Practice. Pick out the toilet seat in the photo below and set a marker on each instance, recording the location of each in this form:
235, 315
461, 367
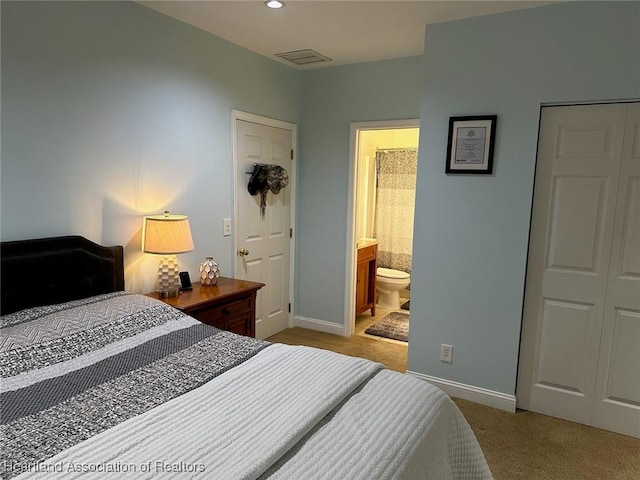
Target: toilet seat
392, 274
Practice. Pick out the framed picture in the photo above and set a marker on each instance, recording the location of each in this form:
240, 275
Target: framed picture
470, 146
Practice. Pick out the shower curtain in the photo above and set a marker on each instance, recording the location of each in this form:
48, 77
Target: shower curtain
395, 202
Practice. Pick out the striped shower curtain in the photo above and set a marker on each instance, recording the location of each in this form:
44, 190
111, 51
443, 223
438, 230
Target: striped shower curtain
395, 201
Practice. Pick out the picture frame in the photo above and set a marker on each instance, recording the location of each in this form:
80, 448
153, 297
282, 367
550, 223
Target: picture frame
471, 144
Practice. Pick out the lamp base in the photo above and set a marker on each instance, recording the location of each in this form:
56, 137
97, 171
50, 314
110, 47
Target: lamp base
168, 276
169, 293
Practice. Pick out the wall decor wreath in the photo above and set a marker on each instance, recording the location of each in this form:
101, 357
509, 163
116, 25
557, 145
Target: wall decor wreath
267, 177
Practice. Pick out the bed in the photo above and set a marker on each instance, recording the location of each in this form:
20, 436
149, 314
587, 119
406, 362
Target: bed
101, 383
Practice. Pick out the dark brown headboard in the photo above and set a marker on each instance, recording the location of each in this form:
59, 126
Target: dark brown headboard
47, 271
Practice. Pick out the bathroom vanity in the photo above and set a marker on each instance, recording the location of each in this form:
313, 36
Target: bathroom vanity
366, 276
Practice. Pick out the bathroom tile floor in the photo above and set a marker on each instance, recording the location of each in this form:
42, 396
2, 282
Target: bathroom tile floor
365, 320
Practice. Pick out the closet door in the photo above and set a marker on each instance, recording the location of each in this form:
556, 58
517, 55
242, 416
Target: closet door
618, 380
572, 234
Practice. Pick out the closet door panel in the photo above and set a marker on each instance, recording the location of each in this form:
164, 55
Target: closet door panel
618, 382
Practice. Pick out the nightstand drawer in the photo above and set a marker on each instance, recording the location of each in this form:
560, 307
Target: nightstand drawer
221, 314
240, 325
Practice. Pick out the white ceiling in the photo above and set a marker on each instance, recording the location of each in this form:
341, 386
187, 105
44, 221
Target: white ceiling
346, 31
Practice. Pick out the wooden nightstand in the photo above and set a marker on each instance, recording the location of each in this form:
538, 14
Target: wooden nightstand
229, 305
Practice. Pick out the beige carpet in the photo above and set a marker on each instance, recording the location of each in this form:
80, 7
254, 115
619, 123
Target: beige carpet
391, 353
520, 446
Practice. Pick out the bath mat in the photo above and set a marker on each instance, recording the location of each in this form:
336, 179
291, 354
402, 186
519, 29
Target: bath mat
394, 325
406, 305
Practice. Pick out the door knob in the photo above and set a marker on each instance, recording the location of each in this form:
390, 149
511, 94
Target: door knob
243, 251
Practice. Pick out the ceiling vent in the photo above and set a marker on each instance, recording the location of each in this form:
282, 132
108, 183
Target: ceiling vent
303, 57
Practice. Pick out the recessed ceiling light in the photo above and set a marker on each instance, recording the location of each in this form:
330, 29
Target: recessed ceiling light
274, 4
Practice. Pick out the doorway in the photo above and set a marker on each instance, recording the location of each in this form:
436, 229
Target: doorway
366, 137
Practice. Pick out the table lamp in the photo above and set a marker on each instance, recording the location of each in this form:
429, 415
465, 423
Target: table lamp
167, 235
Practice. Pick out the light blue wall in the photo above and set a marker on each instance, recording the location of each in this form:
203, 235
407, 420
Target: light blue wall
332, 98
111, 111
471, 232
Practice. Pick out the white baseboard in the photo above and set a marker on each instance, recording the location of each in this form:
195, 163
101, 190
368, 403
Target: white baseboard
319, 325
479, 395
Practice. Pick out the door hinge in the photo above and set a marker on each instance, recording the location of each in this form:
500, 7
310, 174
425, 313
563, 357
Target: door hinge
292, 154
289, 308
291, 233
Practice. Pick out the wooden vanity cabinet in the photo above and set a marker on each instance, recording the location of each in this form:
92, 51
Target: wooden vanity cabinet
366, 279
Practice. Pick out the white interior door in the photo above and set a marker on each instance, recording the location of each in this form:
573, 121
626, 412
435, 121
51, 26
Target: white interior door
581, 320
265, 238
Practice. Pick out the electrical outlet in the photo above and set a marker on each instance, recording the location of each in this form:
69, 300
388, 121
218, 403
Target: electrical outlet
226, 227
446, 353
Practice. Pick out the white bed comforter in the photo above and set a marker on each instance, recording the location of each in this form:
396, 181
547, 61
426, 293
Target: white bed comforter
288, 413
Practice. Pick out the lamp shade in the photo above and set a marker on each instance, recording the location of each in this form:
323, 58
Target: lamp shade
166, 234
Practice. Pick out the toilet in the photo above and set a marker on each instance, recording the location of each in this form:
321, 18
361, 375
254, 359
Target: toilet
389, 282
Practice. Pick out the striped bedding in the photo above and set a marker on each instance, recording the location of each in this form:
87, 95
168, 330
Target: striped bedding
124, 386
